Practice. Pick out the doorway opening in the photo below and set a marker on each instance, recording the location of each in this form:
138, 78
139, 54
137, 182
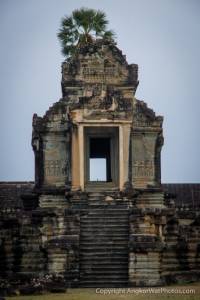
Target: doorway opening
99, 159
101, 162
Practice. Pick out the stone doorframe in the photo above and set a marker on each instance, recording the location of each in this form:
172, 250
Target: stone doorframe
78, 151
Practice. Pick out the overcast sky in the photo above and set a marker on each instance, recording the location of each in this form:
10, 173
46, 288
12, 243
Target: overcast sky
161, 36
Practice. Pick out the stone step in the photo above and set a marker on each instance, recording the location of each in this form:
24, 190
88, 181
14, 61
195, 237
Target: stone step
108, 219
103, 241
94, 212
122, 208
102, 283
102, 260
93, 226
107, 198
99, 256
108, 239
89, 250
94, 249
104, 220
104, 254
120, 205
104, 277
100, 266
100, 232
108, 271
97, 217
106, 236
96, 197
104, 247
106, 211
99, 203
110, 235
95, 193
106, 227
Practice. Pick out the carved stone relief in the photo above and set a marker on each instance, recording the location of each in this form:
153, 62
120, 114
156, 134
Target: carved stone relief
98, 97
56, 168
143, 157
143, 169
99, 72
57, 162
141, 119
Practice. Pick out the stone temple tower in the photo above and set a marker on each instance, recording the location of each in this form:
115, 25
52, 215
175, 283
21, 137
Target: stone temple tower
98, 117
97, 214
99, 124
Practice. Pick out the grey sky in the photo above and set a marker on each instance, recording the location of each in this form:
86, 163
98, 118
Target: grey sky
161, 36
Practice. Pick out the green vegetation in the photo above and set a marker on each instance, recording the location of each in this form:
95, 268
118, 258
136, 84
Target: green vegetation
82, 28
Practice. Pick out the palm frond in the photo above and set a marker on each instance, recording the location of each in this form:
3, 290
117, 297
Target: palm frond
81, 28
99, 22
109, 35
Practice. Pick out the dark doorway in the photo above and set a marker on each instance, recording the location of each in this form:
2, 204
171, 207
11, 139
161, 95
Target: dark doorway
100, 159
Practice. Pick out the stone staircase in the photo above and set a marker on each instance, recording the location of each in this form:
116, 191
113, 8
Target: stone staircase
150, 200
53, 201
104, 245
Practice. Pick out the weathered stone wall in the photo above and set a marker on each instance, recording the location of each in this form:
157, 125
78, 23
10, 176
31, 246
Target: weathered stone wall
146, 143
180, 259
146, 245
51, 141
164, 246
37, 241
40, 234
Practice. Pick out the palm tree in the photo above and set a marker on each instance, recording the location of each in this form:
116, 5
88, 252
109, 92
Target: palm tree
82, 28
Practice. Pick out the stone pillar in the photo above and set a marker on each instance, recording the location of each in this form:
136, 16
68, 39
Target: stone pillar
81, 155
75, 160
121, 157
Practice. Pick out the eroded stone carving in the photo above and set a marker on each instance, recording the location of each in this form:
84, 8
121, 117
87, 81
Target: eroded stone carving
56, 168
143, 169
